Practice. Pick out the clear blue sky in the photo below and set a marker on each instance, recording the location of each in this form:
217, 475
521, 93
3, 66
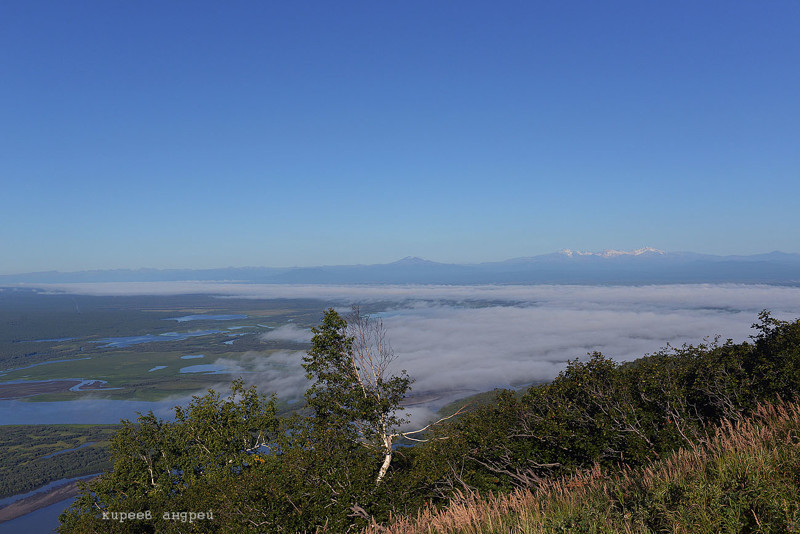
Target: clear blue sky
209, 134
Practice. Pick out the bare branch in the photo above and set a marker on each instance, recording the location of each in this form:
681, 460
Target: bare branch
426, 427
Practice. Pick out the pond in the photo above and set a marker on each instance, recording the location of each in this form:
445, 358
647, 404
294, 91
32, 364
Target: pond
121, 342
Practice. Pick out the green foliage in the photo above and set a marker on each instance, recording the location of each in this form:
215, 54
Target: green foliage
254, 470
352, 395
262, 473
599, 411
775, 359
162, 466
742, 478
334, 395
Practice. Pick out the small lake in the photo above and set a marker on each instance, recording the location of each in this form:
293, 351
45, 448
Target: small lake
121, 342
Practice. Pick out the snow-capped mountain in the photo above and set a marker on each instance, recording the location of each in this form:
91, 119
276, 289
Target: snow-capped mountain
612, 253
645, 265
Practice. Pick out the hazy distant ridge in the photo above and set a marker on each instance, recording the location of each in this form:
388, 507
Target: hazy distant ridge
642, 266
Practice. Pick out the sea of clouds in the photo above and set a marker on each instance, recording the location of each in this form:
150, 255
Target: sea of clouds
459, 340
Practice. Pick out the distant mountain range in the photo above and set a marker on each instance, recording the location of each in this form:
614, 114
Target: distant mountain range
643, 266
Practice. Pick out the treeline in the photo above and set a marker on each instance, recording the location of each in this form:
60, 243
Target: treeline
32, 454
336, 467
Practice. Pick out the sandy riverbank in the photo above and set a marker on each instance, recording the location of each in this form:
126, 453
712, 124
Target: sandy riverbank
39, 500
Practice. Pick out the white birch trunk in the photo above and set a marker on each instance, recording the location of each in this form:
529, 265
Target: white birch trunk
387, 443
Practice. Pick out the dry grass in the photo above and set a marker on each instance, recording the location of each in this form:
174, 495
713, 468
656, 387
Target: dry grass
746, 477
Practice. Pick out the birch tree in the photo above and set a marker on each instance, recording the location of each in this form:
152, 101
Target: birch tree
353, 391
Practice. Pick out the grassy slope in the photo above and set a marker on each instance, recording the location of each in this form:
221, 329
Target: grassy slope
746, 478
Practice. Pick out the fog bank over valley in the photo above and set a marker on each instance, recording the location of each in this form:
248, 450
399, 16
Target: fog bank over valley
459, 340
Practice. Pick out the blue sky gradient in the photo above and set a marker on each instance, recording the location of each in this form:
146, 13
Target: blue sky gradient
209, 134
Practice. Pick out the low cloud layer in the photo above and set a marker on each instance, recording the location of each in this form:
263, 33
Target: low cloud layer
456, 349
453, 351
288, 332
732, 297
458, 340
279, 372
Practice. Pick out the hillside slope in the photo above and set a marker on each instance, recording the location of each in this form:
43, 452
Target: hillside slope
745, 478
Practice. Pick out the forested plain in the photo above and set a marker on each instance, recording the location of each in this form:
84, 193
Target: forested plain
322, 468
34, 455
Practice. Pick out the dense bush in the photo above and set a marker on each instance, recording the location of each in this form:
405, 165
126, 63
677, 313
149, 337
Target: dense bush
745, 477
612, 414
261, 473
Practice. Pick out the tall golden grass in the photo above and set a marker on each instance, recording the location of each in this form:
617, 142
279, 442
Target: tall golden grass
677, 493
